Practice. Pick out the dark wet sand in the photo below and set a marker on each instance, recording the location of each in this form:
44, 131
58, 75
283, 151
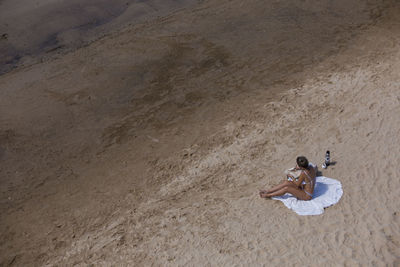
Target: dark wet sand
30, 31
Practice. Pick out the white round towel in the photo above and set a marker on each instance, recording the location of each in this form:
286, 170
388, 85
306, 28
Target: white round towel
327, 192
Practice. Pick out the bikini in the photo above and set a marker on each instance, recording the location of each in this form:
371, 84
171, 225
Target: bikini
296, 173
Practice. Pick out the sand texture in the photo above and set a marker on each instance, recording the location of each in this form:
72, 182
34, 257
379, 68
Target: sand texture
147, 147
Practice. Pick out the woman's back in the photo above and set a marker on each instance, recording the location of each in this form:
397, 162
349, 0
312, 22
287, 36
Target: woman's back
309, 177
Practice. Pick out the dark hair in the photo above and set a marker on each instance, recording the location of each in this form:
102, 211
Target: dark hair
302, 161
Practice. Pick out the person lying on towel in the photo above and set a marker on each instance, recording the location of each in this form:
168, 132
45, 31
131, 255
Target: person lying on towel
300, 181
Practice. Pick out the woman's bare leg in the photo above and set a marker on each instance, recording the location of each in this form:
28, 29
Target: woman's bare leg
298, 193
279, 186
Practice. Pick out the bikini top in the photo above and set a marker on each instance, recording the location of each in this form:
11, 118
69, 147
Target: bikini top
296, 174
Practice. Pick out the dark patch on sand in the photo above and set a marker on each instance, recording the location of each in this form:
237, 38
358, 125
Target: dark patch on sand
37, 32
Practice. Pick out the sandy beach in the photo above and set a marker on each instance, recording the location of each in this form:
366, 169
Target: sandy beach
142, 133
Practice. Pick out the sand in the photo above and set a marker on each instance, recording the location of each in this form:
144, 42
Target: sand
148, 146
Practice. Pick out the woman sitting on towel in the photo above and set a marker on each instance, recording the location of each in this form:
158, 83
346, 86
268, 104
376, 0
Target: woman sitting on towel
300, 185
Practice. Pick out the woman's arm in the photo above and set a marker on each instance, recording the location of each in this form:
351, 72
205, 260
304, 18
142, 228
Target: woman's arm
300, 180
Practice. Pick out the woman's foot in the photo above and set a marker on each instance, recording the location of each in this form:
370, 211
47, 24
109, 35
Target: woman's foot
263, 194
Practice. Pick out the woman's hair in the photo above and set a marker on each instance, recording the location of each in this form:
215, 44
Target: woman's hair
302, 161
